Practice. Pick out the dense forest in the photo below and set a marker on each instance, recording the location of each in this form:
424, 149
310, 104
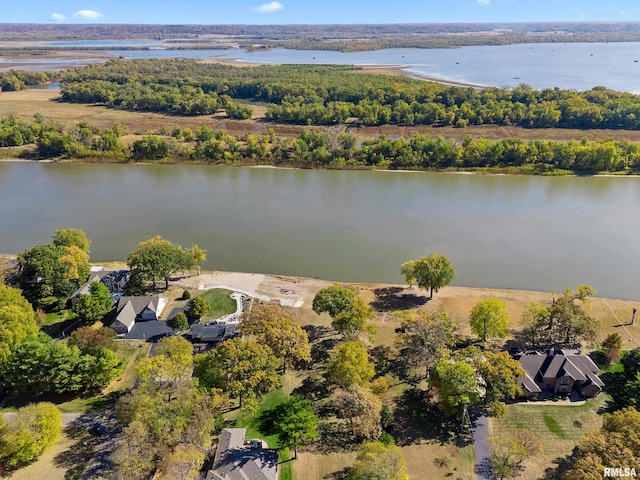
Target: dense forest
335, 148
326, 95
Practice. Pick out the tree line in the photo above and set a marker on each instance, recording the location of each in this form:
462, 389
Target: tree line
316, 149
327, 94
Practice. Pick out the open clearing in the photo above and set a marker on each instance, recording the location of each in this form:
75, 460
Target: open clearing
559, 428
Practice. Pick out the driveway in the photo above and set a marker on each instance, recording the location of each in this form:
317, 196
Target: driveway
480, 429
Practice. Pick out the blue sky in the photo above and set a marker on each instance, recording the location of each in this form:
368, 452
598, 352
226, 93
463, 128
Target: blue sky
315, 11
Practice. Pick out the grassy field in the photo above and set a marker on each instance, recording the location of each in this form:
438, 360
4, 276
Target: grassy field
559, 427
221, 303
253, 424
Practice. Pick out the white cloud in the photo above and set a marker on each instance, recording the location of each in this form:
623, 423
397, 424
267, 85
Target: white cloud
58, 17
87, 14
483, 2
268, 7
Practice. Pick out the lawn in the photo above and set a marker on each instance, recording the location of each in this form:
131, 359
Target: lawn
56, 322
221, 303
252, 423
559, 428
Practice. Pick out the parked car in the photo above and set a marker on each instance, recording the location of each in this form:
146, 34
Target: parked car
98, 429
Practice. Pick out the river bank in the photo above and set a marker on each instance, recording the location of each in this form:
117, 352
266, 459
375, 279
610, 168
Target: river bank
297, 292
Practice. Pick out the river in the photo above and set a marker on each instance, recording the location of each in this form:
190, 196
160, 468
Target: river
578, 66
498, 231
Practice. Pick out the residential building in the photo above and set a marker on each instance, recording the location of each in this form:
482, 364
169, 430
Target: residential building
236, 459
136, 309
559, 371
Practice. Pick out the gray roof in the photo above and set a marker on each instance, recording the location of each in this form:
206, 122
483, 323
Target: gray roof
529, 385
216, 332
93, 277
139, 303
126, 316
235, 461
130, 307
578, 367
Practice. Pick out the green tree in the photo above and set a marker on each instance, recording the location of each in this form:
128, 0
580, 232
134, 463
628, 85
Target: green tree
333, 300
564, 320
427, 336
52, 270
457, 386
183, 463
42, 366
242, 368
170, 369
101, 295
349, 365
377, 461
72, 237
534, 320
432, 272
88, 310
157, 259
179, 322
17, 320
489, 319
198, 255
295, 422
352, 321
150, 147
33, 431
275, 328
198, 307
500, 373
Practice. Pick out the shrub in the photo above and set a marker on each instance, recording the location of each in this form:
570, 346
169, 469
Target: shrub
386, 439
442, 462
186, 295
179, 321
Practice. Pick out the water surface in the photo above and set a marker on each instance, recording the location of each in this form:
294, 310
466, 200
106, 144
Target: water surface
498, 231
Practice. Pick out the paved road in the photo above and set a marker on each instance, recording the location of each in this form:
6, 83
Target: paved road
67, 418
480, 430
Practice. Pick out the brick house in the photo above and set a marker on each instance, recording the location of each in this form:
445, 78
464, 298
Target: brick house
559, 371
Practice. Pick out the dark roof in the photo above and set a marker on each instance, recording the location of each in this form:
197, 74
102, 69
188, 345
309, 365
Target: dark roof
539, 367
215, 332
235, 461
529, 384
572, 370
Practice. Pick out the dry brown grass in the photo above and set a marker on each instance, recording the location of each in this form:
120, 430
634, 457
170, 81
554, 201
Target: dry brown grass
313, 466
612, 314
46, 467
